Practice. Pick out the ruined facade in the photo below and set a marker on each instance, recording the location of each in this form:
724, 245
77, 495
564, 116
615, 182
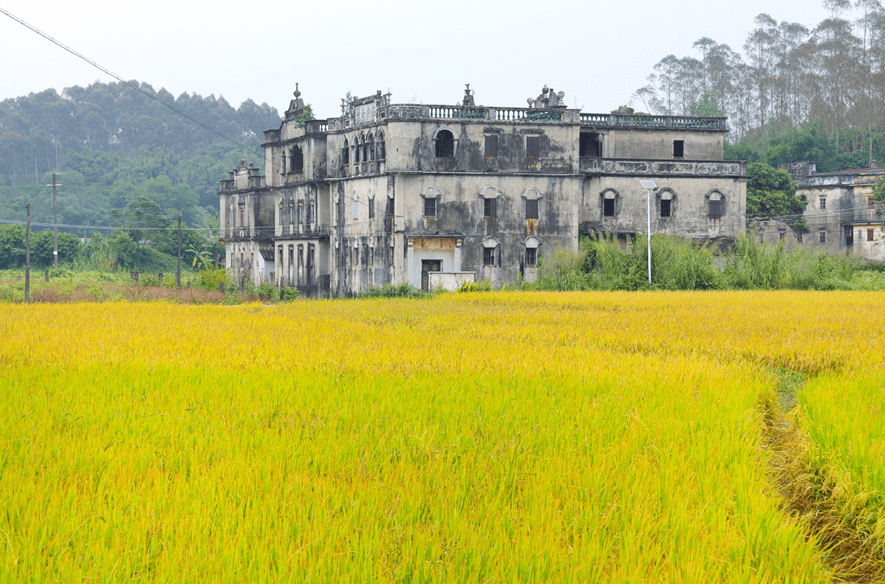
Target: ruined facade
434, 195
841, 215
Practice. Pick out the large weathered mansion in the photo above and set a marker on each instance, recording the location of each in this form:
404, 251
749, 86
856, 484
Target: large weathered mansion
434, 195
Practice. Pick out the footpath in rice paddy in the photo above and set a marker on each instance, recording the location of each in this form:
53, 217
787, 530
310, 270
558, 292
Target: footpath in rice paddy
498, 437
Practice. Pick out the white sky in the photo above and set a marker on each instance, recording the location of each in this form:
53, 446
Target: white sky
599, 53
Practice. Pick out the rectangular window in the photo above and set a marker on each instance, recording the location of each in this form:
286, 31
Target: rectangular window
665, 207
300, 213
312, 212
823, 202
430, 207
531, 257
608, 207
869, 235
822, 236
490, 207
488, 256
781, 235
242, 215
531, 208
678, 148
590, 144
715, 209
491, 144
371, 208
533, 146
356, 209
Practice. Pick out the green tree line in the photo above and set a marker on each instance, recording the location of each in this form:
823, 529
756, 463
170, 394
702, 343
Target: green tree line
795, 93
113, 145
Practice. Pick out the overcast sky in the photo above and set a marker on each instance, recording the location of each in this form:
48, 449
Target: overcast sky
599, 53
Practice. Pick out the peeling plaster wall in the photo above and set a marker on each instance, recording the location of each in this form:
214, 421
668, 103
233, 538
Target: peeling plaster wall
658, 144
689, 206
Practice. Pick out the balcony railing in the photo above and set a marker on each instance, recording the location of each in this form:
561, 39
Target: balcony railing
285, 231
655, 122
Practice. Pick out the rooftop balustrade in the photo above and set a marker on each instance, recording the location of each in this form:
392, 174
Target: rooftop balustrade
654, 122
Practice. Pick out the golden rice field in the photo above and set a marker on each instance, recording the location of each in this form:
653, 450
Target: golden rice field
502, 437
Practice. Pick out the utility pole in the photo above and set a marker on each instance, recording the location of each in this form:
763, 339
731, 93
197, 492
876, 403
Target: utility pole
28, 256
54, 223
178, 273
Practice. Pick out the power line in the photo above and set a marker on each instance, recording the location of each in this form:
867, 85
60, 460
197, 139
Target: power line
123, 81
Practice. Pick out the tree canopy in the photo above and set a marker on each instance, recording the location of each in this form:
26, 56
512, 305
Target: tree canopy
772, 193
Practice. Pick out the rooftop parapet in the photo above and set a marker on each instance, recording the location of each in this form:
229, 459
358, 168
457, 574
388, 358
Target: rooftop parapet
645, 122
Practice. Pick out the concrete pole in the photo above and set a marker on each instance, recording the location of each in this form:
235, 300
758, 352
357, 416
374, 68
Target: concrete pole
648, 191
178, 273
54, 224
28, 256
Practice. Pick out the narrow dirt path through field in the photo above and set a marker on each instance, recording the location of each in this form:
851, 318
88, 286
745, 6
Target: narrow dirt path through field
808, 492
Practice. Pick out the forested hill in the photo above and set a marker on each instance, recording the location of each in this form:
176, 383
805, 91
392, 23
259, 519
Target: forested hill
112, 144
795, 93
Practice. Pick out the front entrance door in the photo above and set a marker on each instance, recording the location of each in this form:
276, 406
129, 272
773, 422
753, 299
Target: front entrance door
426, 267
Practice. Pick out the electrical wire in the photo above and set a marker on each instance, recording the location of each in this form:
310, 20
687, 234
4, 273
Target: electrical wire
123, 81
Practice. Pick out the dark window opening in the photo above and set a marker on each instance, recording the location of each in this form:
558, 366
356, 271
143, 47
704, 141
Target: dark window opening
531, 257
490, 207
823, 202
445, 144
822, 237
345, 153
371, 208
430, 207
678, 148
608, 207
488, 256
491, 145
370, 146
242, 215
300, 213
297, 159
665, 207
533, 146
531, 208
311, 212
381, 151
715, 209
869, 235
590, 144
781, 235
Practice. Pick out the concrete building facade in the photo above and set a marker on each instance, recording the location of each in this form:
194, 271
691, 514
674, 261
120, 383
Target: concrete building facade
841, 215
435, 195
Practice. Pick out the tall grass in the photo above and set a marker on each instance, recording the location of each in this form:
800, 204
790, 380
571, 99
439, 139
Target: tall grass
678, 264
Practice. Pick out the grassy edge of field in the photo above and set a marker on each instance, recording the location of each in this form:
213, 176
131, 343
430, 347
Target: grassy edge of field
832, 509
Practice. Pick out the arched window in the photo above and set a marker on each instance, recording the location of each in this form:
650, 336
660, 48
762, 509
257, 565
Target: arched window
715, 205
531, 203
445, 144
490, 254
490, 202
609, 203
667, 199
297, 159
379, 146
531, 252
345, 152
370, 148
